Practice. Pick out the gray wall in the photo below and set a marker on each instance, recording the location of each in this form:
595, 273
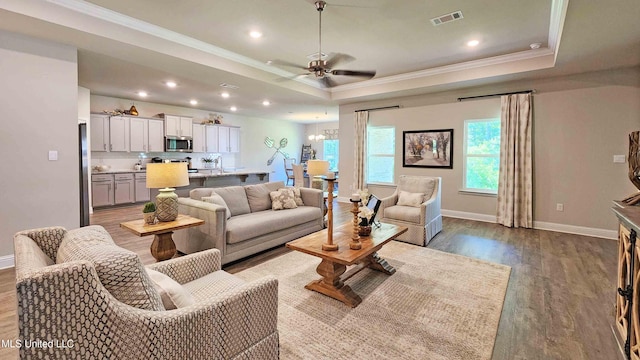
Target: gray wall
38, 113
580, 122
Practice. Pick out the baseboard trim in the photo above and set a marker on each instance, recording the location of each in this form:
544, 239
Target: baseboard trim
539, 225
6, 262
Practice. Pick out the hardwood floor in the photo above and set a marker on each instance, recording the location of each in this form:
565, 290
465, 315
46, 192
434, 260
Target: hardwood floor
559, 302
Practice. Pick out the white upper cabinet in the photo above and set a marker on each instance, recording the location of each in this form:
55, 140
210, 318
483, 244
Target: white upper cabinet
156, 136
211, 136
99, 132
147, 135
228, 139
199, 142
178, 126
119, 133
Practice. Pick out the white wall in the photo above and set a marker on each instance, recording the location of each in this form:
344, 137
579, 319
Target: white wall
580, 122
253, 152
39, 102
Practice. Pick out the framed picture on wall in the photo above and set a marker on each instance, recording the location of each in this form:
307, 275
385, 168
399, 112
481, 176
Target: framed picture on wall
305, 154
428, 148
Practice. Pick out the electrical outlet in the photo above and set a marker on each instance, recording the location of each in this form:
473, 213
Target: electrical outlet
620, 159
559, 207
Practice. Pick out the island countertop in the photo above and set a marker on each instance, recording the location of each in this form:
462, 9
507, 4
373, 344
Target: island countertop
202, 173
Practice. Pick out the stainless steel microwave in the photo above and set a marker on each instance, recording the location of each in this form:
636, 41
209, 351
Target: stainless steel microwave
178, 144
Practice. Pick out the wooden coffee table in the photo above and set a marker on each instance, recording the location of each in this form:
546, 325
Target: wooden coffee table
163, 247
334, 263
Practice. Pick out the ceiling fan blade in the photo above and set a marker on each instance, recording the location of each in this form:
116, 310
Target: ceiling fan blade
327, 82
288, 78
337, 58
286, 63
367, 74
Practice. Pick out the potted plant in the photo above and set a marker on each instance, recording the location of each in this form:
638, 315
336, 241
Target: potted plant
149, 213
208, 162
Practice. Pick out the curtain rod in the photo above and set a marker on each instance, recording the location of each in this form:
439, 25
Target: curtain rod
381, 108
492, 95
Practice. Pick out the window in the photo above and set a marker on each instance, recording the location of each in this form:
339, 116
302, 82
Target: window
381, 144
481, 155
331, 152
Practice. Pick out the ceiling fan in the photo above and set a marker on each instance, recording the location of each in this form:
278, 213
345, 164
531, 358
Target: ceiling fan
321, 68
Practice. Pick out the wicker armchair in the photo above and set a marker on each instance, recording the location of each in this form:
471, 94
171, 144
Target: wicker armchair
423, 218
67, 303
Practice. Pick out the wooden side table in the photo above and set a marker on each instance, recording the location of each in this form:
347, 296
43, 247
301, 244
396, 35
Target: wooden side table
163, 247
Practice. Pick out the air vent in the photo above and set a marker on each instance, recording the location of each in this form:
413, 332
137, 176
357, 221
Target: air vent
457, 15
229, 86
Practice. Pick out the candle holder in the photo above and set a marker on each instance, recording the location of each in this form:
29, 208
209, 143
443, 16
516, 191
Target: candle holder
355, 243
329, 245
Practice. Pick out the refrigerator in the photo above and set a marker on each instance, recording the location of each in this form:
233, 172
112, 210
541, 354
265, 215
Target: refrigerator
84, 174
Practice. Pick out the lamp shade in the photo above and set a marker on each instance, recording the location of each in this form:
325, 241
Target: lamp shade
166, 175
317, 167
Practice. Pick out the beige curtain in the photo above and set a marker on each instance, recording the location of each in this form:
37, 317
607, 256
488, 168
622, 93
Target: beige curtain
360, 149
515, 192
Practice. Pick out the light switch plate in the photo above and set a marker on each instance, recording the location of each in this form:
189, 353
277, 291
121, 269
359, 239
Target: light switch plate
53, 155
619, 158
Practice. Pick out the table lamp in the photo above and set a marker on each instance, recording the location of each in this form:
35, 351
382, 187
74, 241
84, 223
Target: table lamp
317, 168
164, 176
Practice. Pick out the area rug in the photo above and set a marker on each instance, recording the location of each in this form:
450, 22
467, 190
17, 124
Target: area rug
436, 306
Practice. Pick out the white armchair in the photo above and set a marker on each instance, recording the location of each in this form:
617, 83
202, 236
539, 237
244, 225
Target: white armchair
416, 205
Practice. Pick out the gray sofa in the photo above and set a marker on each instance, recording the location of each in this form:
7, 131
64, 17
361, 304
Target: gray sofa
250, 226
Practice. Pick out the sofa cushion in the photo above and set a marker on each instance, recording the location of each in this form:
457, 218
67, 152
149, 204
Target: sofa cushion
417, 184
218, 200
173, 295
199, 193
410, 199
249, 226
403, 213
258, 196
283, 199
212, 284
236, 199
120, 271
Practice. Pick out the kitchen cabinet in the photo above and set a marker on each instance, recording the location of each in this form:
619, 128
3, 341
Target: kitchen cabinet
102, 190
228, 139
119, 133
156, 136
99, 132
124, 190
178, 126
142, 192
205, 138
146, 135
199, 138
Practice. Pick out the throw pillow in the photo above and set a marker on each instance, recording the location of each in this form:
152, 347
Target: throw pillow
410, 199
173, 295
282, 199
218, 200
297, 197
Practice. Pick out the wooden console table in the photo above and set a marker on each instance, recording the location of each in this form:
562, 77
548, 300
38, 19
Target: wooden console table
627, 320
334, 263
163, 247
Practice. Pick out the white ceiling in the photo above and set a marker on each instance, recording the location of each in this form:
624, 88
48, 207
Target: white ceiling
126, 46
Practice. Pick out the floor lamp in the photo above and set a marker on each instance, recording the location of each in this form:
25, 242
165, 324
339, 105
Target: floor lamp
164, 176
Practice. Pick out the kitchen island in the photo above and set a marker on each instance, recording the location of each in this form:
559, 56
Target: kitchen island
123, 186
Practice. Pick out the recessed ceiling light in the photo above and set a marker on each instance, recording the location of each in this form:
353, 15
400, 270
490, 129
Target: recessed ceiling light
142, 93
473, 43
255, 34
225, 95
266, 103
193, 102
171, 84
233, 108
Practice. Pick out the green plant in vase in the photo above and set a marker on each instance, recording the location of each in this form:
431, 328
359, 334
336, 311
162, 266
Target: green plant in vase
149, 213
